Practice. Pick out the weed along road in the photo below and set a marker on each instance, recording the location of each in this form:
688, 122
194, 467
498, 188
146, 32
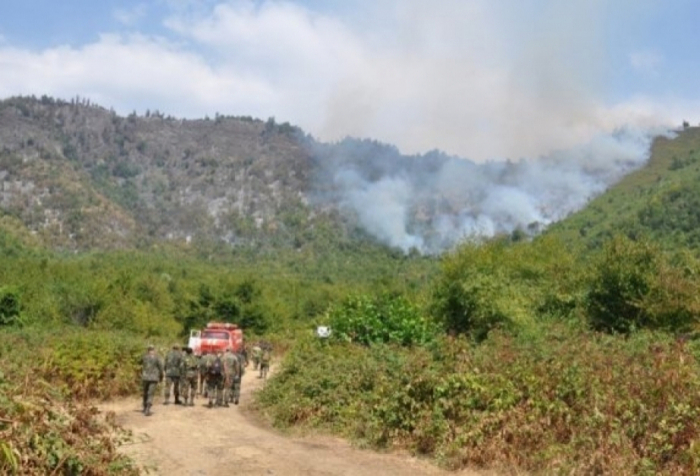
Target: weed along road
199, 441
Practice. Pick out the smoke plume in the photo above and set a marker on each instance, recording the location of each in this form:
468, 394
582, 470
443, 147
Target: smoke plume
433, 201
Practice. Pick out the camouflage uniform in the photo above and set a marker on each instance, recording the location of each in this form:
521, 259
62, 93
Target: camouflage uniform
257, 353
215, 383
265, 361
243, 357
233, 373
151, 374
205, 362
189, 374
172, 374
236, 387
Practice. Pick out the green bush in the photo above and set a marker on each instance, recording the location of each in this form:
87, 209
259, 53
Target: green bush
380, 319
9, 306
494, 285
634, 285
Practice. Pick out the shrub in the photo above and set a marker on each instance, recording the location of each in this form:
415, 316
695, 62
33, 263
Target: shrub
560, 401
9, 306
48, 424
501, 285
381, 319
635, 285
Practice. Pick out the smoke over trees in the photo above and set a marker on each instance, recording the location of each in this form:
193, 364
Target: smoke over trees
432, 201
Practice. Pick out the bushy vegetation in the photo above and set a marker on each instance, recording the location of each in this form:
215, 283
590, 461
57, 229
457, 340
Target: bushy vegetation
505, 285
561, 401
635, 285
49, 379
382, 319
559, 362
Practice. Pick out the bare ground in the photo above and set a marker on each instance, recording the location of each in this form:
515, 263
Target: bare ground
199, 441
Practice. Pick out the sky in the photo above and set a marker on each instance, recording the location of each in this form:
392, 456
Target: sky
481, 79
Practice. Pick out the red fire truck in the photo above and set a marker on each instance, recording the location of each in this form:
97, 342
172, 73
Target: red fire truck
216, 337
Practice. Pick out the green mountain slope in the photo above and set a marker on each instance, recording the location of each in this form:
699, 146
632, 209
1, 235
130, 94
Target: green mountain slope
661, 201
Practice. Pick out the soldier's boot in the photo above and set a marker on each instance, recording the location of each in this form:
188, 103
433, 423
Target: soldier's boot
211, 404
148, 412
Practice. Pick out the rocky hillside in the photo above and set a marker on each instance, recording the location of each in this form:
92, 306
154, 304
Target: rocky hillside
80, 176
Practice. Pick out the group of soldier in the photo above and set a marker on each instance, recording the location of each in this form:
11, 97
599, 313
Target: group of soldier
216, 376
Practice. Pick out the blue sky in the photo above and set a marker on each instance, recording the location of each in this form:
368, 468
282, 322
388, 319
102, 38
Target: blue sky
478, 78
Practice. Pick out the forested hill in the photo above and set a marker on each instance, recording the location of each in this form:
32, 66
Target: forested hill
660, 201
81, 177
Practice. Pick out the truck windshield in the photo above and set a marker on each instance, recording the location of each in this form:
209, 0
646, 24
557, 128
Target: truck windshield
214, 335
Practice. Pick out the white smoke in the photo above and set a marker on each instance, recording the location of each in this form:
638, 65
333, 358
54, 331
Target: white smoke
432, 202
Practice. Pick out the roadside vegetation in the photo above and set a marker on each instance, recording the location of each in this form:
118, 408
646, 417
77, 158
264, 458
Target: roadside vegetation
528, 356
49, 381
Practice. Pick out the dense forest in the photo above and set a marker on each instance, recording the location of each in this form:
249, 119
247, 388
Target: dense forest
572, 351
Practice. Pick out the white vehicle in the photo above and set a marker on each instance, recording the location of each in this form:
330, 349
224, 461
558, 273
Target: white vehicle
323, 332
195, 342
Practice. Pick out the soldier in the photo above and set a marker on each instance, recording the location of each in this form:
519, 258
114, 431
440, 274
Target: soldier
204, 364
232, 369
257, 353
242, 364
173, 361
151, 374
215, 380
243, 357
265, 361
189, 373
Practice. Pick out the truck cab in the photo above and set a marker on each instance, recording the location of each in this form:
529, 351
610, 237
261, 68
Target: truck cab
217, 337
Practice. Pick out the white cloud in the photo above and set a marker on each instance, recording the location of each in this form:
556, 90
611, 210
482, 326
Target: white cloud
129, 72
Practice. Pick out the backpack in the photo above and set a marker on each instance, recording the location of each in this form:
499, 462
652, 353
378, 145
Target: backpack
217, 367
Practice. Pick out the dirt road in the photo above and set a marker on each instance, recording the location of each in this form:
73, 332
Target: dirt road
199, 441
